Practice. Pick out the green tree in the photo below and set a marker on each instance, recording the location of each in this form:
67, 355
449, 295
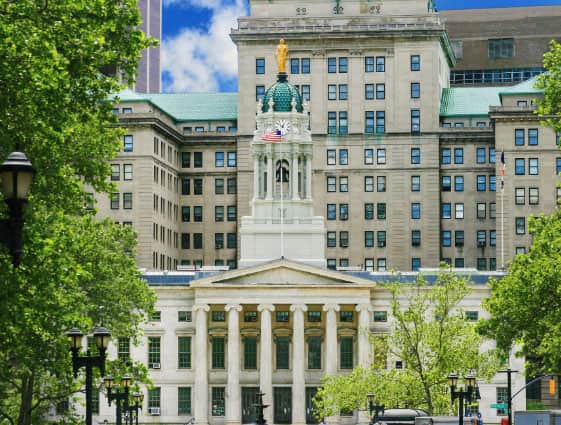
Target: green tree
525, 306
549, 107
431, 336
58, 66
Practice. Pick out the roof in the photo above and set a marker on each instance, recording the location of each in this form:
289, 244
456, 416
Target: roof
525, 87
189, 106
462, 101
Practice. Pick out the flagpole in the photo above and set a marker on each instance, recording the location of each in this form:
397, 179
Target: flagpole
281, 210
503, 167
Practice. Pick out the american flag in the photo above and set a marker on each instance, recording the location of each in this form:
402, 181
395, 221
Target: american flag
272, 136
503, 166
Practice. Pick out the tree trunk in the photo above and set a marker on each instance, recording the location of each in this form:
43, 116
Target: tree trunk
25, 409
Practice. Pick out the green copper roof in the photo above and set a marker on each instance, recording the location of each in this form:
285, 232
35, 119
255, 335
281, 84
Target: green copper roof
282, 93
189, 106
525, 87
462, 101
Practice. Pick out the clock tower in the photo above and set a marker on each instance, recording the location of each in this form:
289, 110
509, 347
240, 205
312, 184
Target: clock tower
282, 223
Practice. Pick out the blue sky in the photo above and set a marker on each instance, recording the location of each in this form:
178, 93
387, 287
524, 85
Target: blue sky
198, 54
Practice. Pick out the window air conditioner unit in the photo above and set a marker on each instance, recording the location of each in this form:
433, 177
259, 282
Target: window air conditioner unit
155, 366
154, 411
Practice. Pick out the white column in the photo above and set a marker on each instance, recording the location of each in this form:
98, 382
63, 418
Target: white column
269, 176
308, 178
201, 365
331, 347
233, 391
295, 176
256, 170
364, 356
298, 359
266, 359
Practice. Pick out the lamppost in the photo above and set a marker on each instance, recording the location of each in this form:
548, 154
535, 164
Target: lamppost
136, 407
121, 398
374, 408
260, 408
468, 393
16, 176
102, 337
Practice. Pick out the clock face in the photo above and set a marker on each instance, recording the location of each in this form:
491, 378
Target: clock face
283, 126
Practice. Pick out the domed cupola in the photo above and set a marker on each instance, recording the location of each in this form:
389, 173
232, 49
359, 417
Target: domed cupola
282, 93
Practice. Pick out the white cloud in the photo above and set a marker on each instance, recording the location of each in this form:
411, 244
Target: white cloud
197, 60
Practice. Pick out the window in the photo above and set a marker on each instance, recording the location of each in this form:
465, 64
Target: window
522, 103
381, 264
156, 316
519, 166
415, 237
128, 143
343, 92
185, 241
492, 238
369, 122
481, 210
115, 172
492, 210
446, 238
369, 183
520, 225
231, 241
369, 157
481, 264
295, 66
381, 238
331, 157
492, 156
305, 91
380, 121
446, 210
185, 159
346, 316
415, 90
218, 240
381, 187
259, 93
381, 210
369, 64
282, 316
381, 156
154, 398
184, 352
557, 166
519, 136
218, 401
127, 171
533, 166
344, 239
331, 92
219, 159
415, 183
343, 65
369, 239
415, 155
415, 264
197, 240
446, 183
197, 159
459, 211
459, 238
332, 123
532, 136
184, 400
314, 352
154, 352
314, 316
380, 91
331, 239
282, 352
198, 213
459, 183
305, 65
415, 62
197, 186
343, 156
115, 200
184, 316
445, 156
232, 213
343, 122
481, 238
480, 156
343, 211
369, 211
501, 48
534, 195
481, 183
380, 316
492, 183
218, 346
459, 263
415, 211
232, 186
343, 184
332, 65
480, 124
260, 66
250, 353
520, 250
232, 159
219, 186
332, 211
123, 349
458, 155
185, 214
380, 63
346, 353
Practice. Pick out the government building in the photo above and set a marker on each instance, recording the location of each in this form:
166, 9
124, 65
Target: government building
390, 137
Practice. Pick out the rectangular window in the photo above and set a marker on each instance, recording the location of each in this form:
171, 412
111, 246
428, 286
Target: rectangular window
331, 92
218, 401
380, 91
415, 264
492, 210
380, 63
415, 237
415, 155
154, 399
369, 64
197, 159
343, 157
218, 350
343, 122
343, 65
184, 316
183, 400
381, 210
369, 91
115, 172
369, 239
369, 211
197, 186
219, 159
282, 352
127, 171
232, 213
305, 65
519, 166
380, 122
459, 183
534, 195
369, 183
369, 157
232, 186
381, 186
501, 48
459, 238
480, 156
492, 238
446, 210
197, 240
446, 238
218, 240
381, 156
415, 90
481, 238
198, 213
282, 316
331, 157
127, 200
532, 136
314, 352
184, 352
123, 349
259, 93
332, 211
458, 155
219, 186
481, 210
445, 156
459, 211
381, 264
250, 353
481, 183
481, 264
415, 62
415, 211
314, 316
344, 239
520, 224
492, 183
185, 241
115, 200
343, 184
232, 159
446, 183
415, 183
154, 352
343, 92
332, 122
128, 143
380, 316
533, 167
331, 239
305, 92
343, 211
260, 66
346, 353
295, 66
381, 238
231, 241
557, 166
185, 159
519, 136
185, 214
331, 65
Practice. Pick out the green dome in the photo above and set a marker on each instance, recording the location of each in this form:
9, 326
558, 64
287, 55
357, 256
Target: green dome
282, 94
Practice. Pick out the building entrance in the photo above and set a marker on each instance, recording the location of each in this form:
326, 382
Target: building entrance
283, 405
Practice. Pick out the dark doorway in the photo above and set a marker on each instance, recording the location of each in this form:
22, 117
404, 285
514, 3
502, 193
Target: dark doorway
249, 399
283, 405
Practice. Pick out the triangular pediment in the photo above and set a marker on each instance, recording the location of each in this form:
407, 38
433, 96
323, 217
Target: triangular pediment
282, 272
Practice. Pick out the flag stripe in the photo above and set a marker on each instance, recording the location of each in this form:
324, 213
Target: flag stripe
273, 136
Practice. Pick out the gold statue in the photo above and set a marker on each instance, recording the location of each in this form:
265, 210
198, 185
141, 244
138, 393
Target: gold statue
281, 54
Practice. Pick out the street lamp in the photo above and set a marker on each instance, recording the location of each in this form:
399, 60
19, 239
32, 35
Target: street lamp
260, 406
133, 411
121, 398
374, 408
469, 392
101, 337
16, 176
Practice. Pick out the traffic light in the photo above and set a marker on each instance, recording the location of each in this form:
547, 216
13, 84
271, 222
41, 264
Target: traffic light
552, 386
